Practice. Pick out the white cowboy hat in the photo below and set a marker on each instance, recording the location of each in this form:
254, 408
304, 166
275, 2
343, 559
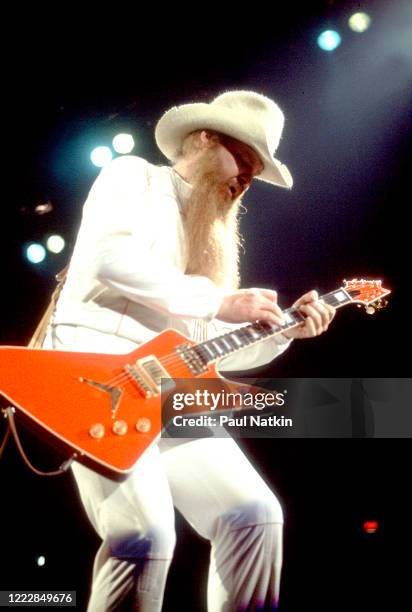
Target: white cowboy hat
247, 116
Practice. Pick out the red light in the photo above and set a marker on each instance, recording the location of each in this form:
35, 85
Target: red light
370, 526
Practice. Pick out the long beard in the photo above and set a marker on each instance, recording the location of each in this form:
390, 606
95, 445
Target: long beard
212, 228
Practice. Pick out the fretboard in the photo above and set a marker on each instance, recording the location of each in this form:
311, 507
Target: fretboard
240, 338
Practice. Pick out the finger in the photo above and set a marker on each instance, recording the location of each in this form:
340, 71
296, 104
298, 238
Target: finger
310, 327
330, 311
323, 312
269, 293
269, 315
310, 296
312, 313
267, 304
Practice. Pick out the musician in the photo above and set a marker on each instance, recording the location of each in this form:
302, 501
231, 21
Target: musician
158, 247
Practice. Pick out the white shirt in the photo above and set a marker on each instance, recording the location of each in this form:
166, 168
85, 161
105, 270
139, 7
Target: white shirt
126, 275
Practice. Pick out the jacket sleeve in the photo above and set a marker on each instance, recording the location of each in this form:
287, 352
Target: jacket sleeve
136, 243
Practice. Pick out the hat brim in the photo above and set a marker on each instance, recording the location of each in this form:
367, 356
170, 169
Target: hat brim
178, 122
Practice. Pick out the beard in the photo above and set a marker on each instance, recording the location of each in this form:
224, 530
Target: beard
212, 226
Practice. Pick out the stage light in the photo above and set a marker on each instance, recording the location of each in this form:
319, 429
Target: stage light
359, 22
370, 526
55, 243
35, 253
329, 40
41, 560
101, 156
123, 143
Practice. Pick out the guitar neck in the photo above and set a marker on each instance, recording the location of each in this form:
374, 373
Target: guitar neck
238, 339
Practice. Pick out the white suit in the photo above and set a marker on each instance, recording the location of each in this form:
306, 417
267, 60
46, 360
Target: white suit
126, 283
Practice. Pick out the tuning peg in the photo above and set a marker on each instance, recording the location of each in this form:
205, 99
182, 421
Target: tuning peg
378, 305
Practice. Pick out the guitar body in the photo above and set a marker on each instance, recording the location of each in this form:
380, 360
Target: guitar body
56, 390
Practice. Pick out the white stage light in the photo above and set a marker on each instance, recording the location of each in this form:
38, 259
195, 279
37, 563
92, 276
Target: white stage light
123, 143
55, 243
359, 22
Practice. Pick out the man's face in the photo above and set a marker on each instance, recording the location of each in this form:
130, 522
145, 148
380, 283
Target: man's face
238, 164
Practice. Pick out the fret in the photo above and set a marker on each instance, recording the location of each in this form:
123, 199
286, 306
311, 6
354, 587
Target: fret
270, 330
219, 349
203, 352
230, 342
235, 339
253, 334
243, 333
262, 328
224, 340
292, 317
208, 349
337, 298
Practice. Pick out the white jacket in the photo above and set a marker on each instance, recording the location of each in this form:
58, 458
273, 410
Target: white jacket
126, 275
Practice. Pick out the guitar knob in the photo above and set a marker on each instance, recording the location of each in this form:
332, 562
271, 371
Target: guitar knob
119, 428
96, 431
370, 310
143, 425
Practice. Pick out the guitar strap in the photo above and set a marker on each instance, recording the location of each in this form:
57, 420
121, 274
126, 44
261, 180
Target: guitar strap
36, 341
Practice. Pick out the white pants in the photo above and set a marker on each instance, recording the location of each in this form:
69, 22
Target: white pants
216, 489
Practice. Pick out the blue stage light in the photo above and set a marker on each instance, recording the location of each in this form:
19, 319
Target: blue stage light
329, 40
35, 253
101, 156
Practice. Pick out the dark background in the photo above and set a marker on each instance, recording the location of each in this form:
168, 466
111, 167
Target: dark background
71, 84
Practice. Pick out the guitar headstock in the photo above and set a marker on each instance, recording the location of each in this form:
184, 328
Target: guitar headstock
368, 293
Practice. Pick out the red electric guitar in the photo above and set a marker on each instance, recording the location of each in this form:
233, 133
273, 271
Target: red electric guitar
105, 410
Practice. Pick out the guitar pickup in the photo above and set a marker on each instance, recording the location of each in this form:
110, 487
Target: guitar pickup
148, 373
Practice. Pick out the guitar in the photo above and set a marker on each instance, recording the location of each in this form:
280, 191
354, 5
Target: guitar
105, 410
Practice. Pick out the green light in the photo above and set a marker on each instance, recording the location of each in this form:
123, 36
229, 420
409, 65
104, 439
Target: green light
55, 243
359, 22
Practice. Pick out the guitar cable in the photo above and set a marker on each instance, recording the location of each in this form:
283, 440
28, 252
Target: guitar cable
5, 439
9, 415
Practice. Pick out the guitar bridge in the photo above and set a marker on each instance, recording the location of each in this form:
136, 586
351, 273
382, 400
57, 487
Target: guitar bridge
147, 373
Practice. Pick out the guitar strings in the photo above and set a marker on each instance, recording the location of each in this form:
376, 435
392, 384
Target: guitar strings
168, 360
171, 359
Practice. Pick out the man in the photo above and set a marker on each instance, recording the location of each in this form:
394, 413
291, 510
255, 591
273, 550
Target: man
158, 247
